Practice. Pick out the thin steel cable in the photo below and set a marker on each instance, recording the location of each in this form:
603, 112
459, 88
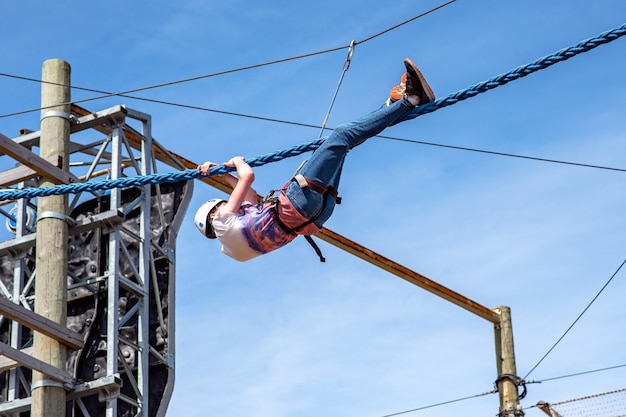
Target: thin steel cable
440, 404
510, 155
407, 21
346, 67
577, 374
502, 79
577, 318
351, 53
125, 94
495, 391
413, 141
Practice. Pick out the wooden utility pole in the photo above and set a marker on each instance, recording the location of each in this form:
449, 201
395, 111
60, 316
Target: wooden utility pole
51, 248
507, 370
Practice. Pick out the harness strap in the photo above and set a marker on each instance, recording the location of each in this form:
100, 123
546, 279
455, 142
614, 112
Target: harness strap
315, 247
290, 231
304, 182
282, 225
294, 230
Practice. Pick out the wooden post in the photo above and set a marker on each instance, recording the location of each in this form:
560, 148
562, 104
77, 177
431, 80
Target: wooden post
507, 370
51, 248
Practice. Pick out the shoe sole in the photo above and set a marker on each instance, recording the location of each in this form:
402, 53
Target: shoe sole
427, 93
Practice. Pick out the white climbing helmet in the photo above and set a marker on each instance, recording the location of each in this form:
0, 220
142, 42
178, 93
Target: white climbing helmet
202, 217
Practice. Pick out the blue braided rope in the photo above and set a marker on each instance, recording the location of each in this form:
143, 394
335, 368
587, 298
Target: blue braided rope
153, 179
519, 72
189, 174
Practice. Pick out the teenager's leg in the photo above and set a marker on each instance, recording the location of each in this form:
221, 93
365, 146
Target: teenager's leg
325, 165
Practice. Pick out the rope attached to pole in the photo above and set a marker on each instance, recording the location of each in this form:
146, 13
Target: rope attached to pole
454, 98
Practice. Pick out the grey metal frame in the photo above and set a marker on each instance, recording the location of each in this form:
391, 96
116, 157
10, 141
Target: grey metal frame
116, 151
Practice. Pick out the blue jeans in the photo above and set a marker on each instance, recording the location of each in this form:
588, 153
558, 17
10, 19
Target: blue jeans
326, 163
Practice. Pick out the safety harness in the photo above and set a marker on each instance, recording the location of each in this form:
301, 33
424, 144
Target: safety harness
303, 182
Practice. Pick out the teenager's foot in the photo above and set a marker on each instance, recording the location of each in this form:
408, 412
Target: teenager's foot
416, 84
397, 92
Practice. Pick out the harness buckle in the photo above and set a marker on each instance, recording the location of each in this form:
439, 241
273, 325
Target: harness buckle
271, 197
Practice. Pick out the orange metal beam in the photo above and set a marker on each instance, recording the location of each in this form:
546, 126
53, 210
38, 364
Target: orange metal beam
328, 236
407, 274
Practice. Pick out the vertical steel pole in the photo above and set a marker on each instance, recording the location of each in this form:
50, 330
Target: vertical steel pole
113, 272
19, 268
145, 249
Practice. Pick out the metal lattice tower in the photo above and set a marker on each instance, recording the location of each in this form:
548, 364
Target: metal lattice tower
121, 274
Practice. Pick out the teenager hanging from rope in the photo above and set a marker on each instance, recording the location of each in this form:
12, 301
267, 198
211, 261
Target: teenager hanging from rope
248, 229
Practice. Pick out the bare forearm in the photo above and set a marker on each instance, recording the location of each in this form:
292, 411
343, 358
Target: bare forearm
230, 179
244, 171
243, 189
241, 184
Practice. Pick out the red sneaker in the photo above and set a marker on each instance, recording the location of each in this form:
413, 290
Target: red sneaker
397, 92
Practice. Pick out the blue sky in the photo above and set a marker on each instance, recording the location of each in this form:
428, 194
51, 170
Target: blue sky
285, 335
